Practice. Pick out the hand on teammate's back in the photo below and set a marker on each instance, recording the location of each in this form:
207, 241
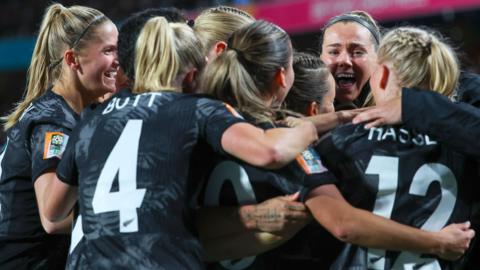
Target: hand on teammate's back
291, 121
457, 239
280, 215
389, 113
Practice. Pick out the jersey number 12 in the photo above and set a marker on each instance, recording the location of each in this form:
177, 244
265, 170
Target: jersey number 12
387, 170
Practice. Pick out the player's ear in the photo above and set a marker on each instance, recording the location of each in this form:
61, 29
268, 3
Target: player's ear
220, 47
280, 77
385, 76
312, 109
71, 59
189, 83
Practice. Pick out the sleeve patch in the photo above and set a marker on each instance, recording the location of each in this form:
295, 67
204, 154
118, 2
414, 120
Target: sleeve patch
55, 143
232, 110
310, 161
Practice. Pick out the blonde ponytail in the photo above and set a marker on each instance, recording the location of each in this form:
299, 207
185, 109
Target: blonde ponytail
39, 74
62, 28
420, 59
443, 68
163, 51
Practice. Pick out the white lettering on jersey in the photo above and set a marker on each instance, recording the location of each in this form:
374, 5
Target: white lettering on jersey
77, 234
110, 106
121, 162
387, 169
119, 106
238, 177
137, 98
401, 135
152, 98
119, 103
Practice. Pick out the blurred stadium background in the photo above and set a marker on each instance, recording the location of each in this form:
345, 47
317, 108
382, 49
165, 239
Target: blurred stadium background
457, 19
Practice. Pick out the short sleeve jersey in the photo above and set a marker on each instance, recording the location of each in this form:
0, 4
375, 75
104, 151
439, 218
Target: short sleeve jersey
403, 175
131, 161
233, 182
34, 146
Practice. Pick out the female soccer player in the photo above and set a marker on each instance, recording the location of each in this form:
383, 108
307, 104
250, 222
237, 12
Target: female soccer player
402, 174
73, 63
348, 47
132, 158
254, 75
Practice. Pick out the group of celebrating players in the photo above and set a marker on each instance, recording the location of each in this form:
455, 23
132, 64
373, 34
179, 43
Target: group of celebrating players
213, 144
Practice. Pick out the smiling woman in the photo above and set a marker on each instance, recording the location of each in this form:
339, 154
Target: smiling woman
348, 47
73, 63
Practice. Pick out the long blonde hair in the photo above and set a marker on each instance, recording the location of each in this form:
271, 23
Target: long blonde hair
420, 59
163, 51
242, 75
218, 23
62, 28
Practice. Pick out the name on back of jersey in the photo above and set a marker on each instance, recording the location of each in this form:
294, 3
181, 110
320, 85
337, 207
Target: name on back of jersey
118, 103
399, 135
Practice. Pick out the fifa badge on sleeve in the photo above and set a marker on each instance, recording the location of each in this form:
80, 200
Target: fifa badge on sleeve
310, 161
55, 143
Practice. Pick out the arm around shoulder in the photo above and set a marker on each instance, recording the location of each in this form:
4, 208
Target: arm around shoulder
363, 228
272, 148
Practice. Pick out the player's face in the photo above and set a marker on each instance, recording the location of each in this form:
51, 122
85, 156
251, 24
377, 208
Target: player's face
329, 97
349, 52
98, 61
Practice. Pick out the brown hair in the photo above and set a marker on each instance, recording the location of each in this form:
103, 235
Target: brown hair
242, 75
310, 84
359, 17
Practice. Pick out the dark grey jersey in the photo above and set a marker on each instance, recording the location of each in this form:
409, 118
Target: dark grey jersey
34, 146
131, 159
233, 182
403, 175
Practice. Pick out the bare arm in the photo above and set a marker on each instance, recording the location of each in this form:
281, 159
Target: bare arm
272, 148
363, 228
224, 230
57, 200
42, 192
327, 121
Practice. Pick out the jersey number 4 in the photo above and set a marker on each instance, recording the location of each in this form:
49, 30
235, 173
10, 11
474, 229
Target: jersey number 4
122, 161
387, 170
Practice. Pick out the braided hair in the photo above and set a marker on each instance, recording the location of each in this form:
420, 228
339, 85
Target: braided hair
420, 59
310, 84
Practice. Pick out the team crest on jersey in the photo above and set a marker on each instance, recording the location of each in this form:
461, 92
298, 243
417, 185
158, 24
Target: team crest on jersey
55, 143
310, 162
